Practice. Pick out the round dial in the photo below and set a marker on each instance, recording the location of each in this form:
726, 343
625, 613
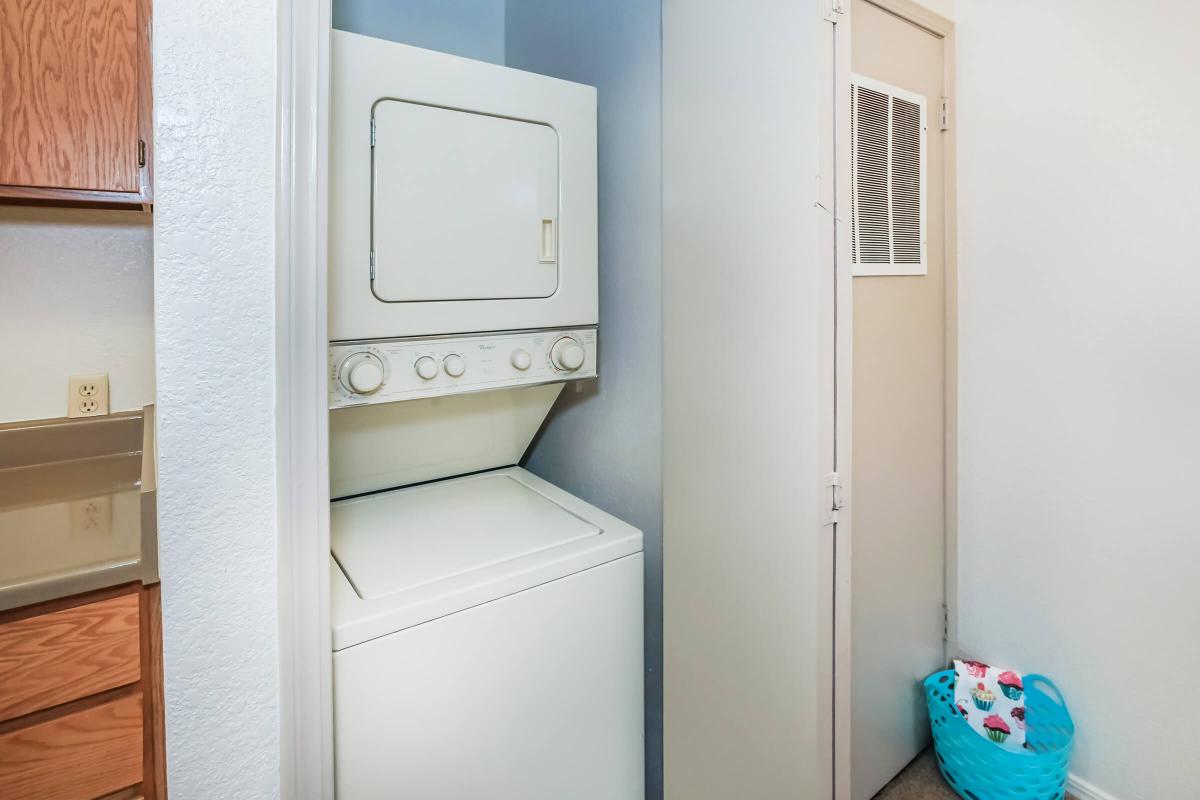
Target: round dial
567, 354
454, 365
426, 367
361, 373
521, 360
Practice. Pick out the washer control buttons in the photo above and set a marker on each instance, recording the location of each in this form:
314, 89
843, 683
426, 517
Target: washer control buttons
361, 373
409, 368
521, 359
426, 367
454, 365
567, 354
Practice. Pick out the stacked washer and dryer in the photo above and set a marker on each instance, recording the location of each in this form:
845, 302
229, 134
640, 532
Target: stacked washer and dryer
487, 626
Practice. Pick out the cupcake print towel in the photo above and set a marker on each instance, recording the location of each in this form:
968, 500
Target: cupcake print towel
993, 702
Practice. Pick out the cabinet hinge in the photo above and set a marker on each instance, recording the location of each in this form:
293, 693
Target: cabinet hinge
372, 133
832, 9
944, 114
372, 265
141, 152
833, 482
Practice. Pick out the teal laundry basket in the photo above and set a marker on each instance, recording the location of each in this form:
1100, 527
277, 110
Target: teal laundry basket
978, 769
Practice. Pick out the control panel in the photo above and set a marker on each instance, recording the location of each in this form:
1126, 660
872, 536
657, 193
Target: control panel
391, 370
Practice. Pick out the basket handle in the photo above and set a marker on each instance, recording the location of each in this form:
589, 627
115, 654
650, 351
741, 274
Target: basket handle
1046, 683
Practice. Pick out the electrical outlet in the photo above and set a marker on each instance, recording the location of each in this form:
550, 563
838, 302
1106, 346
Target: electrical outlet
91, 518
87, 395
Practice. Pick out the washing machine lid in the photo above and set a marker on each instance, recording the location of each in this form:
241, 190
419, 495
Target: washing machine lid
411, 555
405, 539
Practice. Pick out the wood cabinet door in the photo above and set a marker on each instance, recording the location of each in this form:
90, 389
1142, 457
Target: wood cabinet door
69, 95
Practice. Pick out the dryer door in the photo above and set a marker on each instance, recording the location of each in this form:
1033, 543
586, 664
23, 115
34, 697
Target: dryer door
464, 205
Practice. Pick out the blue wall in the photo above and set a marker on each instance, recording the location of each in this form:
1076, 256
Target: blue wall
470, 28
604, 443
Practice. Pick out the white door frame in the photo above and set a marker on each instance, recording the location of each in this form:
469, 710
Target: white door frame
839, 124
306, 656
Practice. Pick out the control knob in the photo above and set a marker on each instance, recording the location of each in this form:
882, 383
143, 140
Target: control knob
361, 373
426, 367
454, 365
521, 360
567, 354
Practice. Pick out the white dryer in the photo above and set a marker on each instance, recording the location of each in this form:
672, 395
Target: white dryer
462, 195
485, 644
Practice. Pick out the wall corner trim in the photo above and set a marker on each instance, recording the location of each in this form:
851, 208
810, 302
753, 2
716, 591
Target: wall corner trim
306, 652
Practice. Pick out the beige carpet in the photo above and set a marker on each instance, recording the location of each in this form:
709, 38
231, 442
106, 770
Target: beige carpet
920, 780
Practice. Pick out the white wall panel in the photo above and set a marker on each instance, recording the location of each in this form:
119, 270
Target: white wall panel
746, 295
77, 297
1079, 443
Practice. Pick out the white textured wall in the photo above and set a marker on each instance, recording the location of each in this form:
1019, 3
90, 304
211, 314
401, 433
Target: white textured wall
76, 296
1079, 441
214, 234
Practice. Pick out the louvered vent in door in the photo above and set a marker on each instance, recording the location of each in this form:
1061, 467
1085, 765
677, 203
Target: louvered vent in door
887, 174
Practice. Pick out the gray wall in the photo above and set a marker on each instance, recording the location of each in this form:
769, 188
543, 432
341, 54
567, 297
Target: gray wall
605, 442
470, 28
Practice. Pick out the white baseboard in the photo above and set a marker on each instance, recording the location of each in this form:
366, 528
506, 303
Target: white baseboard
1083, 790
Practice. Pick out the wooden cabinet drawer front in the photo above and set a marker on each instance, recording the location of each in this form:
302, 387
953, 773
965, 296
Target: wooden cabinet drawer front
90, 752
65, 655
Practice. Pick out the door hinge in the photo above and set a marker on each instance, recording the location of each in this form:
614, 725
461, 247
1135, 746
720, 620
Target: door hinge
944, 114
372, 133
833, 482
141, 152
945, 623
372, 265
833, 9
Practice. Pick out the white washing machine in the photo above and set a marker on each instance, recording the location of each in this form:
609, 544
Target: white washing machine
485, 644
487, 626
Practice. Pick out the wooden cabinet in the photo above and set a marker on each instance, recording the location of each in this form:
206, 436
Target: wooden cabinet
75, 117
81, 698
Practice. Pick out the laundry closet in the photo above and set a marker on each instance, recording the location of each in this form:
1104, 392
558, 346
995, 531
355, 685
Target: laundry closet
501, 454
487, 625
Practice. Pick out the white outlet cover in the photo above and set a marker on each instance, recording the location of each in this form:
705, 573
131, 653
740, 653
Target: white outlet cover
87, 395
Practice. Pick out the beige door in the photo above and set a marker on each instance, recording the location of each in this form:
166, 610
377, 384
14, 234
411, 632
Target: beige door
898, 462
